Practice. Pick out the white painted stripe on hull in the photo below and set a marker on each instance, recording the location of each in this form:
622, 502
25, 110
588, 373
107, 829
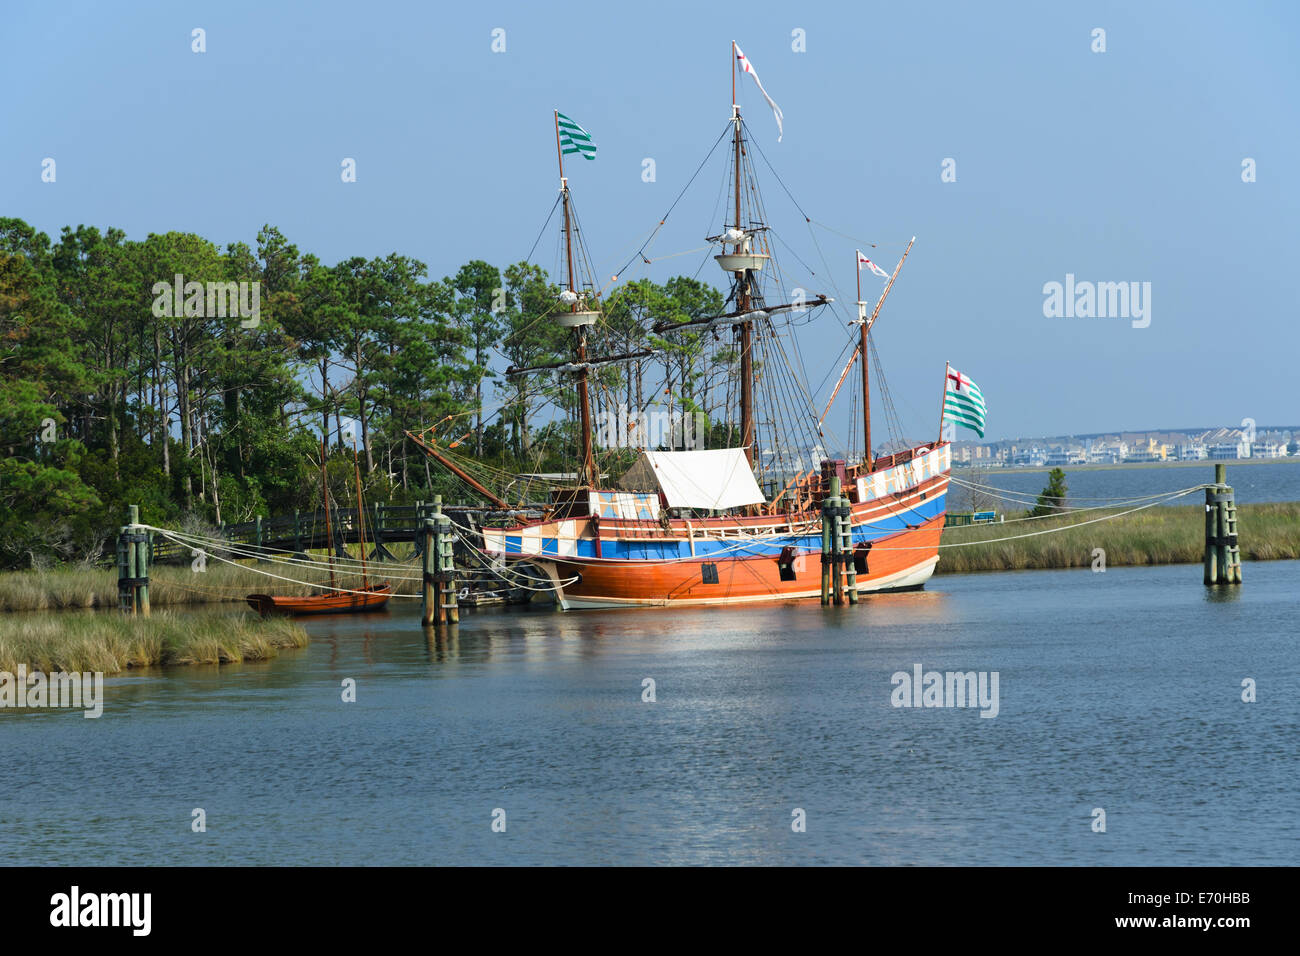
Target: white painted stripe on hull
912, 577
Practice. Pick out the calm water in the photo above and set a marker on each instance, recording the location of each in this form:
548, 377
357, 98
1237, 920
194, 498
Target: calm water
1274, 481
1118, 690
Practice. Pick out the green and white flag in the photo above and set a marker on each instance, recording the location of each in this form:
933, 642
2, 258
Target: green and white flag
963, 403
573, 138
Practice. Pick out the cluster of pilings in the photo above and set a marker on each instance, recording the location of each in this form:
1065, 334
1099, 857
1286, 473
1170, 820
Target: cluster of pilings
839, 573
133, 548
438, 564
1222, 553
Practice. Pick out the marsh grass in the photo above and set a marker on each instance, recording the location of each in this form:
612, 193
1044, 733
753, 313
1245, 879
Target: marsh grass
59, 589
1161, 535
111, 642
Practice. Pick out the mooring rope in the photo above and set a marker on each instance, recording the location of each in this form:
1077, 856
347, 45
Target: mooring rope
526, 587
1032, 534
290, 561
1163, 496
505, 574
504, 570
279, 577
1029, 497
251, 551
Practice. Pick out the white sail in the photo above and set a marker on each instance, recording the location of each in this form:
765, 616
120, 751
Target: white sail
718, 478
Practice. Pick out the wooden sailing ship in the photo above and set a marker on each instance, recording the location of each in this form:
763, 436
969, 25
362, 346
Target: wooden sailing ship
335, 600
694, 527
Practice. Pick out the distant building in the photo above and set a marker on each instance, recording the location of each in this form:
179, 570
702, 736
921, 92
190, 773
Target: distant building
1148, 450
1229, 450
1267, 449
1060, 457
1033, 457
1142, 457
1109, 453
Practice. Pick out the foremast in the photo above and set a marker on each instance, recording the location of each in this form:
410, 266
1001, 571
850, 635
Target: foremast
577, 311
579, 319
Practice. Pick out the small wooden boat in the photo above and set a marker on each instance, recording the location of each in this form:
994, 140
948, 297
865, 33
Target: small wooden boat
334, 602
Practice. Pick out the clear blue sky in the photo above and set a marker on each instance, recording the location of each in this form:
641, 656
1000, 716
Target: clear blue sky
1115, 166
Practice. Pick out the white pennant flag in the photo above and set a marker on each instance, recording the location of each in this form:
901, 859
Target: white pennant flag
749, 68
864, 261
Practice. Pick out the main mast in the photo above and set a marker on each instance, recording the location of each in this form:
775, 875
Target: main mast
746, 328
579, 320
742, 288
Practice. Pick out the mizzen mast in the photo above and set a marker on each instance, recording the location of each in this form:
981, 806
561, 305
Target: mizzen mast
860, 350
866, 375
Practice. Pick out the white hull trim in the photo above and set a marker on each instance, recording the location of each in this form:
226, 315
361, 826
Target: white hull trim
912, 577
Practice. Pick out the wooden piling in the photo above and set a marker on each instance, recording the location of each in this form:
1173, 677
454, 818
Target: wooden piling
845, 512
451, 611
133, 565
446, 562
125, 569
837, 563
1230, 532
142, 572
826, 551
1211, 523
436, 541
1222, 551
428, 599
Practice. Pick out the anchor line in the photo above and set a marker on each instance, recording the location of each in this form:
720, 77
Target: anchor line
278, 577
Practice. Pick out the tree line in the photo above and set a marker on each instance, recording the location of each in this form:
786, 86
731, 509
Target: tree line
114, 388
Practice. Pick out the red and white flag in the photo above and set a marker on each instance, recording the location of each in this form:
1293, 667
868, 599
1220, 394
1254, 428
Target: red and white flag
748, 67
864, 261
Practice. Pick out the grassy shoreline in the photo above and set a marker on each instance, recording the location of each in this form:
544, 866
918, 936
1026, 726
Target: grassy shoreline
1207, 464
1160, 535
112, 643
62, 589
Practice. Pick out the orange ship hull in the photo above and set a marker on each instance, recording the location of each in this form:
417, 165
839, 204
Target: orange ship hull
901, 562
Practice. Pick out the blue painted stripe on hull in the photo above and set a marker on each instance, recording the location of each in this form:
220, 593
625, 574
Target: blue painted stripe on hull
730, 547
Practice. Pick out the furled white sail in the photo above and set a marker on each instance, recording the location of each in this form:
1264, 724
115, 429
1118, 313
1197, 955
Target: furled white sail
716, 478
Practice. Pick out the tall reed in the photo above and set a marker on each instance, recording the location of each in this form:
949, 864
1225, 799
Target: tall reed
1160, 535
110, 642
